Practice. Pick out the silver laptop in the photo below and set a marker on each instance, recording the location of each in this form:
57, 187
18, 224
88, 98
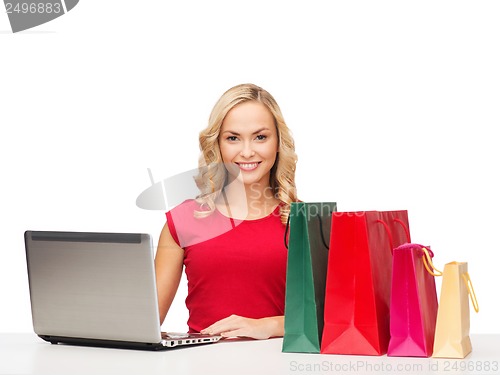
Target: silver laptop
97, 289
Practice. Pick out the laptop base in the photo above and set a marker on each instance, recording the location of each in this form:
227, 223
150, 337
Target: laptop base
163, 345
103, 343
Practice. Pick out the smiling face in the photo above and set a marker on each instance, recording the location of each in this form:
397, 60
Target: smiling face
248, 142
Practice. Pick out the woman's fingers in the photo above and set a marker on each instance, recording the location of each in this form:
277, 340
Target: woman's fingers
238, 326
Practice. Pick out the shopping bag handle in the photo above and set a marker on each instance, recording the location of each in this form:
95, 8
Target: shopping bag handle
389, 234
405, 227
386, 227
470, 289
287, 228
429, 266
427, 254
321, 232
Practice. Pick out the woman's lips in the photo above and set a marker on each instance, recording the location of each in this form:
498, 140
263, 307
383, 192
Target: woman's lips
248, 166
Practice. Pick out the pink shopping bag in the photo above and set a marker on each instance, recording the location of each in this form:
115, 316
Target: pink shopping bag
414, 305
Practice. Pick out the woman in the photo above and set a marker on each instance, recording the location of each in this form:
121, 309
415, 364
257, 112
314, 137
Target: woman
230, 238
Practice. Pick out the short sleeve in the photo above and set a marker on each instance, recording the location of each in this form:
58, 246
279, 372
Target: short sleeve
188, 229
171, 227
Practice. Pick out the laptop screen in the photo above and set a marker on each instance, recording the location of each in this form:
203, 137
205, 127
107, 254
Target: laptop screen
93, 285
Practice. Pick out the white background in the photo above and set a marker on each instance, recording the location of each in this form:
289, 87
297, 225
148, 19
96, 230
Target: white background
393, 105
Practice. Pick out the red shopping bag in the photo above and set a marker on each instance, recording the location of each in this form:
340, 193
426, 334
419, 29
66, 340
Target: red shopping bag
414, 302
358, 281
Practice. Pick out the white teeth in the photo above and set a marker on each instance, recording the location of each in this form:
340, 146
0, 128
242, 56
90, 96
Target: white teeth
249, 166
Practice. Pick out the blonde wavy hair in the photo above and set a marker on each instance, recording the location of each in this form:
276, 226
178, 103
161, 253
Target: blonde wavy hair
212, 176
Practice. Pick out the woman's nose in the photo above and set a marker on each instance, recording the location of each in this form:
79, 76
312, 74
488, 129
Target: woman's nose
247, 150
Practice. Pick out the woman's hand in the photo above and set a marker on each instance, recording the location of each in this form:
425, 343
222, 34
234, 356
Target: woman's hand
238, 326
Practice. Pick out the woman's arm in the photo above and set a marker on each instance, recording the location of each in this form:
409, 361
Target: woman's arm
238, 326
168, 264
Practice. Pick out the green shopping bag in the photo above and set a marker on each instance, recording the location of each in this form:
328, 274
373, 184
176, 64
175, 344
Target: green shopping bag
309, 237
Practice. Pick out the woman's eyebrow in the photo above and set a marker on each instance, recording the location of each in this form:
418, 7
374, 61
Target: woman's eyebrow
260, 130
230, 131
235, 133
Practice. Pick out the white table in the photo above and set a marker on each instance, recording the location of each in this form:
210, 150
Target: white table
25, 353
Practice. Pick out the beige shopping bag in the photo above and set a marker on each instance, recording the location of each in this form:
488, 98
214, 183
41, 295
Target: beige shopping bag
452, 339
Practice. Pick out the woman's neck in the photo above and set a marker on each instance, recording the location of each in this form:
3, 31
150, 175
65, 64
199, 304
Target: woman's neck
248, 202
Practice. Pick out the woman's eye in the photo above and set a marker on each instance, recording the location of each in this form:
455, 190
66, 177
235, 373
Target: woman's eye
232, 138
261, 137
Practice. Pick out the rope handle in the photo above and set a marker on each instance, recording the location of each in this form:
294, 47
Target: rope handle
470, 289
321, 232
405, 227
287, 228
429, 266
468, 283
389, 234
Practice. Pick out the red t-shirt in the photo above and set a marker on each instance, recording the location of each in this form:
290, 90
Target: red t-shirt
232, 266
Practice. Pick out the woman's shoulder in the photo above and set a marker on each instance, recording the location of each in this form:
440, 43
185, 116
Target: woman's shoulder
192, 228
189, 206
